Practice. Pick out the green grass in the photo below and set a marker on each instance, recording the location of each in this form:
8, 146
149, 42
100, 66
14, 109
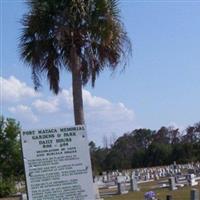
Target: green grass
180, 194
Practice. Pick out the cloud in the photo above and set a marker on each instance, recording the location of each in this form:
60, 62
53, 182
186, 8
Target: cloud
50, 106
13, 90
24, 113
100, 110
95, 107
102, 116
94, 101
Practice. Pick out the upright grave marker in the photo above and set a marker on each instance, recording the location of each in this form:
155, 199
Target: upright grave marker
134, 185
57, 164
172, 184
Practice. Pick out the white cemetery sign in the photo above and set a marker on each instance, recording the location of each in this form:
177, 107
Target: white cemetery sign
57, 164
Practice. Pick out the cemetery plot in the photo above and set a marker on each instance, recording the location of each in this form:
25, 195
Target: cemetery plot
170, 178
180, 194
57, 164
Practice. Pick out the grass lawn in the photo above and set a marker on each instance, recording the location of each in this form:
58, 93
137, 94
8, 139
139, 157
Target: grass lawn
180, 194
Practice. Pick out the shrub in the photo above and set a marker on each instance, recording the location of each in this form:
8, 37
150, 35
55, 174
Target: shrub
7, 187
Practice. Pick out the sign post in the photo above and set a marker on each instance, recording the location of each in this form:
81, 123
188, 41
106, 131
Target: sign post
57, 164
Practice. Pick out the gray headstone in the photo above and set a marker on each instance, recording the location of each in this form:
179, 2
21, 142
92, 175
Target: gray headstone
121, 185
134, 184
172, 185
121, 188
194, 195
176, 179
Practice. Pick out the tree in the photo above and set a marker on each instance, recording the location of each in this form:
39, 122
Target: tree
158, 154
138, 159
190, 136
143, 137
79, 36
162, 136
93, 150
11, 165
174, 135
10, 148
98, 156
193, 133
121, 154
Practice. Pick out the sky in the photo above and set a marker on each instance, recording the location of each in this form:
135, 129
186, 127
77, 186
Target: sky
160, 86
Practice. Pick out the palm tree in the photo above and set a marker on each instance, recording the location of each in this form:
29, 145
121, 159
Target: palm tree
79, 36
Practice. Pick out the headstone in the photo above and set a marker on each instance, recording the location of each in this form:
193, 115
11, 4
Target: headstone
134, 184
121, 185
174, 165
194, 195
156, 176
151, 176
127, 178
147, 176
176, 179
57, 164
172, 185
105, 178
191, 180
109, 177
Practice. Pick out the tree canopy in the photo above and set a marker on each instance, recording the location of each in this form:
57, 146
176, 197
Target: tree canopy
146, 147
11, 165
10, 148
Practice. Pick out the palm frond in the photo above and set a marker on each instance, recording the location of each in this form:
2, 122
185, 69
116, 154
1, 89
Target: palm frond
52, 27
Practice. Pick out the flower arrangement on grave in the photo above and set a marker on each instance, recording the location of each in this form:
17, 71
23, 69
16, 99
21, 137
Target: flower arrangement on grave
151, 195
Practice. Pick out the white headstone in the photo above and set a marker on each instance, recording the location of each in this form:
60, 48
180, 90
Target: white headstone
121, 185
191, 180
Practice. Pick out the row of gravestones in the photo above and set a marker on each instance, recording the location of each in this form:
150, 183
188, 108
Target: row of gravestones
190, 179
172, 183
155, 173
122, 188
179, 181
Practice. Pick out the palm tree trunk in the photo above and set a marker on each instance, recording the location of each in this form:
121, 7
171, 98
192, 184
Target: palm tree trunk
77, 90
